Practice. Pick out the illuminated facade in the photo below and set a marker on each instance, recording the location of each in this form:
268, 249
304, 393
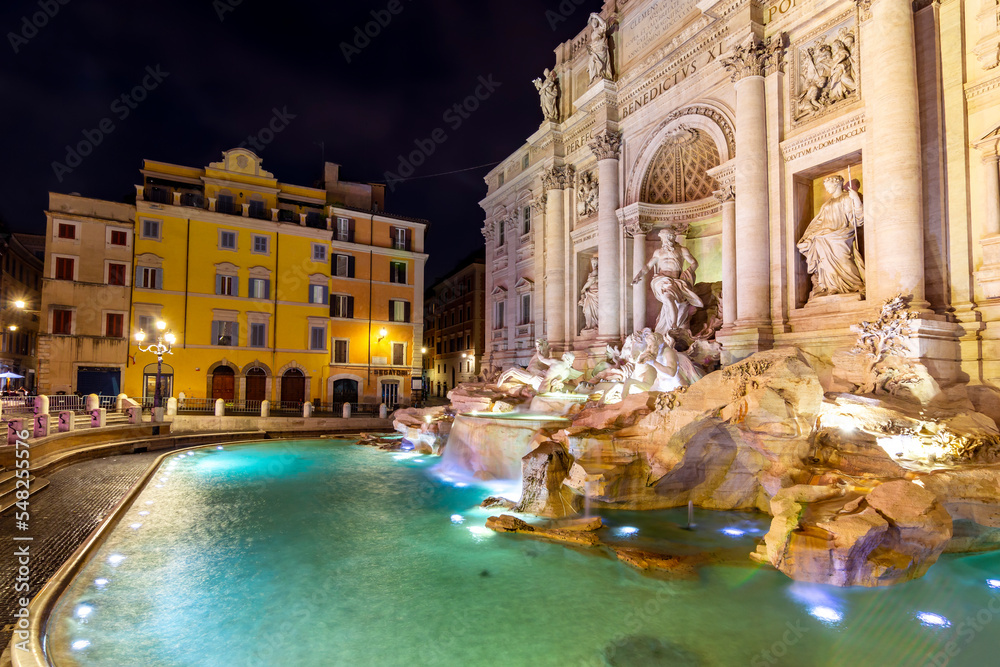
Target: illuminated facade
454, 327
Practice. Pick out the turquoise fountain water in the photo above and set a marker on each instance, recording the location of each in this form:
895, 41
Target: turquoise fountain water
323, 553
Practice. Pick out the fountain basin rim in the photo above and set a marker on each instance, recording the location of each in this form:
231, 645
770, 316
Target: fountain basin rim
516, 416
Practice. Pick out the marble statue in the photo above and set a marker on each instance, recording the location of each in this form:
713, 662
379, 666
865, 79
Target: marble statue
586, 195
830, 243
649, 362
548, 91
672, 284
535, 372
829, 73
600, 54
559, 371
588, 297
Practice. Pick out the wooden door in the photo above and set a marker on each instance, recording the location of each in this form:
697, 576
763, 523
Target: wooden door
256, 387
293, 389
224, 384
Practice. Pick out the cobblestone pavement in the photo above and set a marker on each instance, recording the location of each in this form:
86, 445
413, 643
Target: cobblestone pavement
62, 516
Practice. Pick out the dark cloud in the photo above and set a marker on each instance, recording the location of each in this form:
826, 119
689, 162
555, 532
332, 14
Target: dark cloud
226, 76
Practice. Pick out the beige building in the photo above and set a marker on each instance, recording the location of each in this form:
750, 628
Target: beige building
454, 327
20, 282
86, 295
750, 129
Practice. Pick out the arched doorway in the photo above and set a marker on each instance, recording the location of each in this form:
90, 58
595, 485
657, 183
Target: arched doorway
345, 391
293, 386
224, 383
256, 384
390, 392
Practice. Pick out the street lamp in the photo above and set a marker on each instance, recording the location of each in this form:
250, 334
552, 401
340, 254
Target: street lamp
164, 341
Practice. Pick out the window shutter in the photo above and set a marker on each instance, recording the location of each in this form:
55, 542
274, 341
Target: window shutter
218, 284
236, 286
267, 289
236, 333
326, 294
350, 266
350, 306
406, 311
159, 278
215, 333
350, 230
402, 272
409, 238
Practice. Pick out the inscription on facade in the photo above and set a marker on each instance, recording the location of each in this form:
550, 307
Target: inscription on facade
652, 24
668, 80
777, 9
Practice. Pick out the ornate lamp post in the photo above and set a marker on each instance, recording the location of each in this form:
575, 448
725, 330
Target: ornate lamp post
164, 341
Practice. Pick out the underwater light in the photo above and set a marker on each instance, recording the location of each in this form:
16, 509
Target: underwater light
928, 618
993, 583
144, 513
734, 532
101, 583
480, 531
461, 485
826, 614
149, 502
80, 644
84, 610
457, 518
116, 559
219, 447
135, 526
628, 530
159, 486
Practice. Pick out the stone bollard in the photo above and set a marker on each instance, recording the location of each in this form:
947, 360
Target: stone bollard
120, 402
134, 414
220, 407
67, 421
158, 414
98, 418
265, 408
172, 406
14, 431
307, 410
41, 426
93, 402
383, 411
346, 411
41, 405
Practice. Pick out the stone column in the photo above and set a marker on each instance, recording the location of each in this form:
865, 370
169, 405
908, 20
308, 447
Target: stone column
893, 206
513, 307
488, 235
555, 181
538, 232
729, 287
606, 148
991, 199
639, 291
753, 263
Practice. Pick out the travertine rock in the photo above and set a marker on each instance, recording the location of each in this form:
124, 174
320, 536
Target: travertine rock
542, 473
506, 523
426, 429
824, 535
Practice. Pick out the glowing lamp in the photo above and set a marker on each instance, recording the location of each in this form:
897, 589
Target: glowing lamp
19, 303
161, 325
140, 335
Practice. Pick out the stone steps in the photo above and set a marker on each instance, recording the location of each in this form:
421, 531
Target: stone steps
8, 488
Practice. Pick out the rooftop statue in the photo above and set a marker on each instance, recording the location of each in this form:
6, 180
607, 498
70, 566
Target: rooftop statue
672, 284
600, 54
548, 91
830, 243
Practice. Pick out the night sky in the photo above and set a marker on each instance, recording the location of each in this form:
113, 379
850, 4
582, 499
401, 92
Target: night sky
223, 69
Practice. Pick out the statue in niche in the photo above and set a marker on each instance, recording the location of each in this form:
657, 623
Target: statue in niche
830, 242
600, 54
829, 73
586, 195
548, 92
533, 375
672, 284
588, 297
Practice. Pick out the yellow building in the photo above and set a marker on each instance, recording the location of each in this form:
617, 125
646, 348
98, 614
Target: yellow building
274, 291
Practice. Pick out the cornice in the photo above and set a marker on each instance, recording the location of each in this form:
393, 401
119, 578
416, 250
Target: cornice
840, 130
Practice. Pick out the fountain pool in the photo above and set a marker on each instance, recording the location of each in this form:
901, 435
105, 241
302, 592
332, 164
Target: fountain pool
322, 553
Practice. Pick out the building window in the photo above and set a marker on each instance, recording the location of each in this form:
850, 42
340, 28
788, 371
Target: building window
525, 220
500, 179
225, 204
343, 266
116, 274
342, 305
397, 272
340, 351
225, 333
400, 238
227, 240
319, 252
151, 229
501, 233
64, 268
317, 338
524, 161
498, 315
119, 237
62, 321
468, 342
345, 231
149, 278
261, 244
145, 322
318, 293
399, 311
259, 288
226, 285
399, 354
439, 348
114, 325
525, 308
67, 231
258, 334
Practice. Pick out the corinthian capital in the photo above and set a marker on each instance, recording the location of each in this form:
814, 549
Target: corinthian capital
557, 178
488, 231
755, 58
864, 9
607, 145
727, 193
538, 203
